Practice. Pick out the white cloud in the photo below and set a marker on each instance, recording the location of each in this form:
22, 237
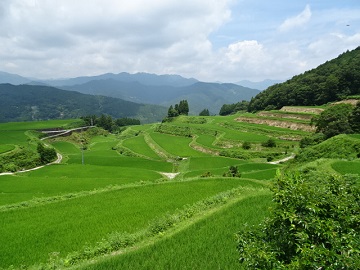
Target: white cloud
69, 38
297, 21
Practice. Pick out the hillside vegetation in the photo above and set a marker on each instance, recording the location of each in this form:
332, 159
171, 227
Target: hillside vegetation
166, 195
331, 81
34, 102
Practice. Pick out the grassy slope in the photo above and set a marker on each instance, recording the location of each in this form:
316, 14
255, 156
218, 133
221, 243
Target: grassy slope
207, 244
91, 217
67, 226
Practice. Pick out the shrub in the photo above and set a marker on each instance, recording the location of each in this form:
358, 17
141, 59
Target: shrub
46, 154
207, 174
233, 172
314, 224
246, 145
269, 143
334, 120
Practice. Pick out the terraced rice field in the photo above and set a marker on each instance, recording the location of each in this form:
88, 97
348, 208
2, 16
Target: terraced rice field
65, 214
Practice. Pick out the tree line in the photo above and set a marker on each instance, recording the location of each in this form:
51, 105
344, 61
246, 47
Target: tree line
108, 123
332, 81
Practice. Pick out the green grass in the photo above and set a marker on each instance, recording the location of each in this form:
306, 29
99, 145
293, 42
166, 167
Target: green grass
139, 146
6, 148
207, 244
345, 167
136, 193
260, 171
13, 137
175, 145
206, 140
260, 175
68, 225
66, 148
61, 179
36, 124
203, 163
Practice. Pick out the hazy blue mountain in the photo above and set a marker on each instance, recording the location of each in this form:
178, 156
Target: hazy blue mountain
262, 85
143, 78
34, 102
148, 88
199, 95
12, 78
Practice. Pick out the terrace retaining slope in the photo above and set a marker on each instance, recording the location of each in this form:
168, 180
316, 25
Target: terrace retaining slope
301, 110
306, 117
277, 123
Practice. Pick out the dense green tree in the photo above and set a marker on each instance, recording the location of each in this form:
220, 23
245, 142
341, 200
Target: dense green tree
105, 121
204, 112
108, 123
314, 224
334, 120
269, 143
47, 154
354, 118
183, 107
121, 122
232, 172
331, 81
179, 109
246, 145
227, 109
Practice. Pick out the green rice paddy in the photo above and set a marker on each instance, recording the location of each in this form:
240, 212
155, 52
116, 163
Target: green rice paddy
124, 183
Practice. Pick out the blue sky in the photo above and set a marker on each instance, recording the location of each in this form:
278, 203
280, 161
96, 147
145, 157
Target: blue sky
211, 40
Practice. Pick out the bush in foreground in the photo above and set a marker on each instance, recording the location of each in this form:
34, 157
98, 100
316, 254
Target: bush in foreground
315, 224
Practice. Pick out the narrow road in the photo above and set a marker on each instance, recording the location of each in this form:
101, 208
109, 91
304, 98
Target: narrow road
57, 161
283, 160
59, 156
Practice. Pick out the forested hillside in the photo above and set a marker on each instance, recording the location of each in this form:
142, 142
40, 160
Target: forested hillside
200, 95
34, 102
331, 81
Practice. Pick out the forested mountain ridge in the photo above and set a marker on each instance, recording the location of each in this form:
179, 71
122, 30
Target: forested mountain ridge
332, 81
147, 88
141, 77
200, 95
34, 102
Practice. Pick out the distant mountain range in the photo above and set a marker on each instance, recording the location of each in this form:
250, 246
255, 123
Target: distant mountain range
164, 90
13, 78
199, 95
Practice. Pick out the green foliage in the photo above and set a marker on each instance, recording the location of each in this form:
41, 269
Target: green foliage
47, 154
19, 159
232, 172
108, 123
311, 140
331, 81
179, 109
314, 225
34, 102
354, 118
204, 112
334, 120
246, 145
207, 174
227, 109
341, 146
269, 143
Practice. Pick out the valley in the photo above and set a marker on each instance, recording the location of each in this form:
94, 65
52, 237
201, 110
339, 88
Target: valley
161, 191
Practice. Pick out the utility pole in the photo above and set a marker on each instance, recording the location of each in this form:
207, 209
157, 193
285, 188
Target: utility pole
82, 154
